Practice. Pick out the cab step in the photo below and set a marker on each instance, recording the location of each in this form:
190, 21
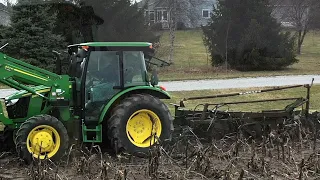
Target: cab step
92, 134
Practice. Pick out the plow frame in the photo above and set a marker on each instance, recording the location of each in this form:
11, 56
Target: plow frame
210, 113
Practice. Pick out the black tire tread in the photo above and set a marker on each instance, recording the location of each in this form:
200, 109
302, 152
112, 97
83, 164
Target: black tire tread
115, 119
32, 122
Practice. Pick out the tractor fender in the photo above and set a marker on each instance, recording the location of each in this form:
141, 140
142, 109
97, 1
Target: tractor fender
154, 91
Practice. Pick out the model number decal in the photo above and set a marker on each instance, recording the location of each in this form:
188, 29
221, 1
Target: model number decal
8, 68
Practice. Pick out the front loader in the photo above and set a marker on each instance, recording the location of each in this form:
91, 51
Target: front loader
105, 96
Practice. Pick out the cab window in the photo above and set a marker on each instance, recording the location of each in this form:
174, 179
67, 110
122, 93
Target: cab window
134, 69
103, 66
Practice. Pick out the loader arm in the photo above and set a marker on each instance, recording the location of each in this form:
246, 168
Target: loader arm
18, 74
38, 83
22, 76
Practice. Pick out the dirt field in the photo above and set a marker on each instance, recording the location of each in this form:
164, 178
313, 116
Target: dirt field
290, 154
187, 157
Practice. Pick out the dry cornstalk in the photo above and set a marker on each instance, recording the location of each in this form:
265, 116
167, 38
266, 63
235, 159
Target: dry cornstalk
301, 169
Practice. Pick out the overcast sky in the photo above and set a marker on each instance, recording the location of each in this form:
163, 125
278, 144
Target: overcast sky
5, 1
13, 1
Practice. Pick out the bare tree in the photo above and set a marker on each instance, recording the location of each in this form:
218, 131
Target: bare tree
180, 11
172, 27
298, 12
315, 17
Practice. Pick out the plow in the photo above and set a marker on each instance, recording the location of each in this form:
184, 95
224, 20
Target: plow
216, 120
109, 97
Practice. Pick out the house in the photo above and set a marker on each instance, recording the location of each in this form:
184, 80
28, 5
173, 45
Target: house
194, 13
190, 13
282, 12
4, 15
291, 13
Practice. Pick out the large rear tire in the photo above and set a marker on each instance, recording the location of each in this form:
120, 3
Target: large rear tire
131, 127
43, 137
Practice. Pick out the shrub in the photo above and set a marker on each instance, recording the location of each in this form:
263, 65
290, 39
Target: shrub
181, 26
244, 33
156, 26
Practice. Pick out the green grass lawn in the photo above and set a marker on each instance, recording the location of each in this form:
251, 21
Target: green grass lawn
295, 92
193, 62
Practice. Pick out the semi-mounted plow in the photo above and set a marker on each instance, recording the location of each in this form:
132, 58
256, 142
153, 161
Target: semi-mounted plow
209, 120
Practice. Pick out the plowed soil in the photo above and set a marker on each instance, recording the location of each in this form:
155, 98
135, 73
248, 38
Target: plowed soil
187, 157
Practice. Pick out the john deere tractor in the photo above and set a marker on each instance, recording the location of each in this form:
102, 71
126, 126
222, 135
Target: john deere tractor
106, 96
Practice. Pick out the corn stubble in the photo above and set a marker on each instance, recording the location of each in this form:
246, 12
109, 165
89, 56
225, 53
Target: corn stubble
284, 153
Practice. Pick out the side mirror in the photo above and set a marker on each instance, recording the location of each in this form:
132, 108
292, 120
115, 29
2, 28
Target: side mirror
81, 54
154, 78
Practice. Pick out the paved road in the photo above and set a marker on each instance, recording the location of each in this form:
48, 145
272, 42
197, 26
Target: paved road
240, 82
228, 83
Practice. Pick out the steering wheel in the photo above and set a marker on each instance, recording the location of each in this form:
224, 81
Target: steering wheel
92, 77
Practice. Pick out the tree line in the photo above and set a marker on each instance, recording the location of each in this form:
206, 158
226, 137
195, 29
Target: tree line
38, 27
245, 35
241, 34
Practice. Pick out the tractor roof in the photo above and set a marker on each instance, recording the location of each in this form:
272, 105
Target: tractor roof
114, 44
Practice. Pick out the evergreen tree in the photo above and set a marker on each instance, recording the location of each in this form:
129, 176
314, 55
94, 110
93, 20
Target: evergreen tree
123, 21
3, 30
31, 37
77, 22
244, 35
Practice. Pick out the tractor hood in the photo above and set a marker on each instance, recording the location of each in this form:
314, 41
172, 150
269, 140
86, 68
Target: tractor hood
24, 93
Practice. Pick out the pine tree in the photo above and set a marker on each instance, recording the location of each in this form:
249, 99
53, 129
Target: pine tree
31, 37
244, 35
123, 21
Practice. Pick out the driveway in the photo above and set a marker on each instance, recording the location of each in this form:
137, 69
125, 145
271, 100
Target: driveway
190, 85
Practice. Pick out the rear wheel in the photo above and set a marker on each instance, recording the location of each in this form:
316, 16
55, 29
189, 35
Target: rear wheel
138, 122
43, 137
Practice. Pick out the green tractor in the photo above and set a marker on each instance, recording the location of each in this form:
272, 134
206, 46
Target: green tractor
107, 95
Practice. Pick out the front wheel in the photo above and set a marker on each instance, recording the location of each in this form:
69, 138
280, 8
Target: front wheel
43, 137
138, 122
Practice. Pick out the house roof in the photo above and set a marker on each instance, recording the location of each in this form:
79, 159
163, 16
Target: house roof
143, 2
162, 3
154, 3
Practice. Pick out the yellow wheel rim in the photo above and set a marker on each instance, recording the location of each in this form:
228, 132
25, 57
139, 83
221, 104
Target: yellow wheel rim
43, 142
142, 128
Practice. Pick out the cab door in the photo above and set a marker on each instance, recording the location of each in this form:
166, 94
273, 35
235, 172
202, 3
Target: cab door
102, 76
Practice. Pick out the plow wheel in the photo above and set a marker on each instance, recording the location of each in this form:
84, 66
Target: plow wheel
138, 122
43, 137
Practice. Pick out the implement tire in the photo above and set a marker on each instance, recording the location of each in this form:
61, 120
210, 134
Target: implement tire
42, 130
130, 125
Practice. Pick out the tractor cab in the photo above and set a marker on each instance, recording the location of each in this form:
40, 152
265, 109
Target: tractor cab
122, 64
104, 69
